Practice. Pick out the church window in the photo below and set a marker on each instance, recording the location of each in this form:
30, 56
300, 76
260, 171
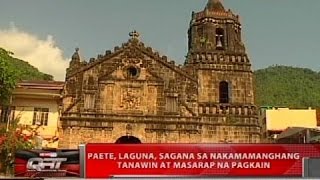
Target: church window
132, 72
201, 36
224, 92
220, 39
200, 32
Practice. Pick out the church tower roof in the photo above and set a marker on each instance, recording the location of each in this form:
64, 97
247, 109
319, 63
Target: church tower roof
75, 61
214, 5
215, 31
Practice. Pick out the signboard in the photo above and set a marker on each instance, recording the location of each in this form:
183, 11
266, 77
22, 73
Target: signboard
42, 163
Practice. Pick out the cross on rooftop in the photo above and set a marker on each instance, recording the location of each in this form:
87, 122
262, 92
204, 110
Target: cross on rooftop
134, 34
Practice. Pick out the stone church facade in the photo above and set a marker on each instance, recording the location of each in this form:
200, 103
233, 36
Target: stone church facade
134, 92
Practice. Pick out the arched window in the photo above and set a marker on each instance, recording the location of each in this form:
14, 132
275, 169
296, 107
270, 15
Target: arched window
200, 31
132, 72
220, 39
224, 92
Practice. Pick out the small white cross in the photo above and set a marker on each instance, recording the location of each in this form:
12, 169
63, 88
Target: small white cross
134, 34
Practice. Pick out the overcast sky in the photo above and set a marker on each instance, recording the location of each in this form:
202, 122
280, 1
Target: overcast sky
46, 32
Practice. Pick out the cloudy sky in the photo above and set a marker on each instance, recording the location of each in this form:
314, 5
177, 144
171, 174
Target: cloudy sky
45, 32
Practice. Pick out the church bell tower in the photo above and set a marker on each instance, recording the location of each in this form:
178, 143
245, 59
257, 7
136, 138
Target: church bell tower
217, 56
215, 30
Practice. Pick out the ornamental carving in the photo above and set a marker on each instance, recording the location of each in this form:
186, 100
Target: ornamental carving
132, 53
131, 61
131, 99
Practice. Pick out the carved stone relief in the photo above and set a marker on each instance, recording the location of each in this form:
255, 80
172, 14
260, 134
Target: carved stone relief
131, 98
131, 61
132, 53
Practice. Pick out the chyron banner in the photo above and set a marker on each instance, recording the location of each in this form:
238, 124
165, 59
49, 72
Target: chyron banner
47, 163
200, 160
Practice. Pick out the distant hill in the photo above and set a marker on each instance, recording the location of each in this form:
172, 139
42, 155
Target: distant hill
27, 71
287, 86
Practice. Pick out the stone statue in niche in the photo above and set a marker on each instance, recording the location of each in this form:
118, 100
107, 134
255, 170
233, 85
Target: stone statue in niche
131, 99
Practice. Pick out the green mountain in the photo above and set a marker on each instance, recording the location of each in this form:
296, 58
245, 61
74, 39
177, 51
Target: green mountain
27, 71
13, 70
287, 86
23, 70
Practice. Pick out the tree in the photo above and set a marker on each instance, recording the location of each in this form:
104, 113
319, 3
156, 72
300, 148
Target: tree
17, 137
13, 70
8, 77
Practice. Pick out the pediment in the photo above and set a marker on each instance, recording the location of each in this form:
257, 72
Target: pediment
133, 53
122, 72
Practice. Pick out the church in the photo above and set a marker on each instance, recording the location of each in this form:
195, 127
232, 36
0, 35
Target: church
135, 95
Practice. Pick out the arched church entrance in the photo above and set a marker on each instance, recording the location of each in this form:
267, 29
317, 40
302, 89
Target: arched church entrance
128, 140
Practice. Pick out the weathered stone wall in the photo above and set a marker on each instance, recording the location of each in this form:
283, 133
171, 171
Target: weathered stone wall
237, 121
240, 82
160, 133
75, 131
